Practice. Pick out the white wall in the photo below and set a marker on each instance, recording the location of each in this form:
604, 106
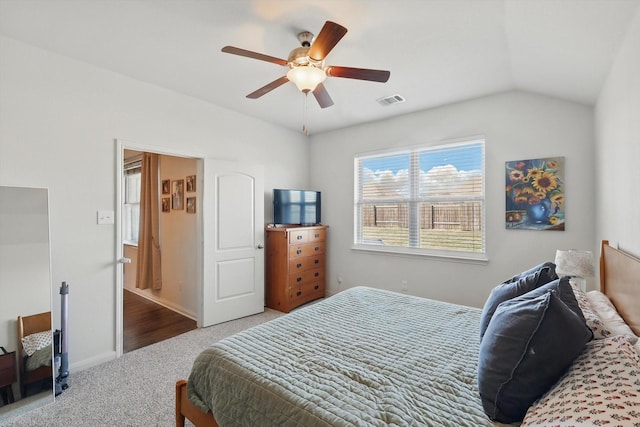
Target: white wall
516, 126
618, 147
59, 119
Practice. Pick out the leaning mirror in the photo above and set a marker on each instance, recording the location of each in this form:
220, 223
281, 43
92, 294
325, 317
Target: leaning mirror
26, 372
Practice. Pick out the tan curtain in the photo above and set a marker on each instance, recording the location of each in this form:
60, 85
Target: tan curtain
149, 273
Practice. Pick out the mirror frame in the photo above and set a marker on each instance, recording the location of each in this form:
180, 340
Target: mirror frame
25, 213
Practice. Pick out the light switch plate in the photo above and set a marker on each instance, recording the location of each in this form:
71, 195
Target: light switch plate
105, 217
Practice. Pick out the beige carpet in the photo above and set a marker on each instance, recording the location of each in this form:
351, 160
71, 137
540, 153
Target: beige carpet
137, 389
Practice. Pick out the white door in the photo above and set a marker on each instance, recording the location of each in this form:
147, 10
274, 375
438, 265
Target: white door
233, 242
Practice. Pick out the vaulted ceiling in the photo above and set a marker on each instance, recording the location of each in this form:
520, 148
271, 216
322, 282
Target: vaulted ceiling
438, 51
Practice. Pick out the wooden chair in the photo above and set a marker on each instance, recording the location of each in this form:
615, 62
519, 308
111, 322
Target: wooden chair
28, 325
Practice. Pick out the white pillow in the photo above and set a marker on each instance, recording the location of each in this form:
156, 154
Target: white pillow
592, 319
34, 342
609, 315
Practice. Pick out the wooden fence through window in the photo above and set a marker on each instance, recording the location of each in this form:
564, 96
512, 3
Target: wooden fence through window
440, 216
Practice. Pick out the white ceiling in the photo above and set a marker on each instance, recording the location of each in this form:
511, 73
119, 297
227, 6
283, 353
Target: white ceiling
438, 51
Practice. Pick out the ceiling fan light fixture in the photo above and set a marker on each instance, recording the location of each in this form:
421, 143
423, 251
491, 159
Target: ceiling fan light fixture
307, 77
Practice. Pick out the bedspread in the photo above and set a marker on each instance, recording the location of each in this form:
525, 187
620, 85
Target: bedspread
363, 357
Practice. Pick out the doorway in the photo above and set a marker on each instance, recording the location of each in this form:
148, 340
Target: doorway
226, 251
152, 315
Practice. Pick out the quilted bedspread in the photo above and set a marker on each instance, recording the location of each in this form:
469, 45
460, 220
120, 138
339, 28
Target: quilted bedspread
364, 357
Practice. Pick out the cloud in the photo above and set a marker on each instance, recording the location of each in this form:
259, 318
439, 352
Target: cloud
438, 181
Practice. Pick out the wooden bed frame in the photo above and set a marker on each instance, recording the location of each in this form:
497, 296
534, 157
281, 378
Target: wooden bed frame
619, 280
184, 408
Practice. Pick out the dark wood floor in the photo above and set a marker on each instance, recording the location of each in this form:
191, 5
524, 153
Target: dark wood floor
146, 322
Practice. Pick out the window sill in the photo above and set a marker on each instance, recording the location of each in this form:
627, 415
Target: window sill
464, 257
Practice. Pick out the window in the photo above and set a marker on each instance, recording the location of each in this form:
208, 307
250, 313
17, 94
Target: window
422, 200
131, 208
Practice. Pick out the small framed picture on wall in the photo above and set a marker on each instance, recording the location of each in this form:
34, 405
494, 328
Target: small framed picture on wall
191, 183
166, 203
177, 195
166, 186
191, 205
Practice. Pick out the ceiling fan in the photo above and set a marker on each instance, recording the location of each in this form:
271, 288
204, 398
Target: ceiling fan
306, 65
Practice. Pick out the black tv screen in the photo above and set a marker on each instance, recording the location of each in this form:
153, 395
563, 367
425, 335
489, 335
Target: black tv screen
296, 207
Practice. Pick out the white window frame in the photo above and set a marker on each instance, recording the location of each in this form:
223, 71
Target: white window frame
134, 165
414, 201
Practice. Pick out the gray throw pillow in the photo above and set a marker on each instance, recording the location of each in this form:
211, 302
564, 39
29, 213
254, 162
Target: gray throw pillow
514, 287
529, 344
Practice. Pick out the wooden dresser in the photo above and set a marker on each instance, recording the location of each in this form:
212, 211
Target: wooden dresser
295, 265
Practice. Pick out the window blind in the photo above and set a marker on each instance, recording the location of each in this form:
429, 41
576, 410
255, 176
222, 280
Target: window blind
429, 198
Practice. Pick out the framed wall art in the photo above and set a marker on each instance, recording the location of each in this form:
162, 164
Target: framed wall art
177, 194
191, 205
191, 183
535, 196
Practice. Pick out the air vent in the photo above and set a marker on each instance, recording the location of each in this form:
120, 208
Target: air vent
388, 100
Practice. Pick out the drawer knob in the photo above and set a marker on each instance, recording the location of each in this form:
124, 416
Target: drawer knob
298, 265
317, 235
298, 279
299, 251
316, 261
298, 293
316, 274
299, 237
317, 248
316, 287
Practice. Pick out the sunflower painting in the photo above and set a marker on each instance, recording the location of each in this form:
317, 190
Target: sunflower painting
535, 194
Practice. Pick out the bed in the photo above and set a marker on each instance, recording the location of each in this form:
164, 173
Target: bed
369, 357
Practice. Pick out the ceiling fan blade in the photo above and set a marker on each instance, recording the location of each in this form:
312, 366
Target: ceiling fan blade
255, 55
358, 73
322, 96
268, 87
327, 39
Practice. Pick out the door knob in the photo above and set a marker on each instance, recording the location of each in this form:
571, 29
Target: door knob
124, 260
260, 246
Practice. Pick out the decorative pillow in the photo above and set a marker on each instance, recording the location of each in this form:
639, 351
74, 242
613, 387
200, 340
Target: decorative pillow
528, 345
602, 387
590, 316
563, 291
606, 311
522, 284
39, 340
547, 269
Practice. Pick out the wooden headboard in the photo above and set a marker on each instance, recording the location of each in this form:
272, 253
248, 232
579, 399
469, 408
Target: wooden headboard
620, 281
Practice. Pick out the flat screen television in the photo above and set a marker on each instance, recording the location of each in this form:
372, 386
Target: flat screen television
300, 207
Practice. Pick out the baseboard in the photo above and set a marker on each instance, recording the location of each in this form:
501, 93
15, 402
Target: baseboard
92, 361
165, 303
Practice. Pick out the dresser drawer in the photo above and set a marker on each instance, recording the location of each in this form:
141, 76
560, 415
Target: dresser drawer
298, 236
307, 249
302, 264
318, 235
308, 276
301, 294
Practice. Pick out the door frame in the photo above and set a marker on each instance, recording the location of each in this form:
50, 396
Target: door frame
121, 145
